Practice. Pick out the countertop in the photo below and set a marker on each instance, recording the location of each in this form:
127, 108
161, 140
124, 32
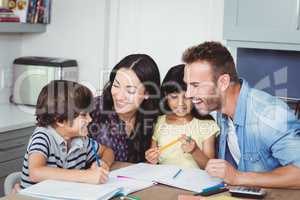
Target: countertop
15, 117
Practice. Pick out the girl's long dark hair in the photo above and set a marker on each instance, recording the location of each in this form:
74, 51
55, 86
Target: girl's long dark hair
147, 71
173, 83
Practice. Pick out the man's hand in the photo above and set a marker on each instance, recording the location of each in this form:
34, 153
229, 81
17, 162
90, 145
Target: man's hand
222, 169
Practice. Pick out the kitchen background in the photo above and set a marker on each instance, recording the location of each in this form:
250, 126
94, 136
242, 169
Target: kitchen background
97, 33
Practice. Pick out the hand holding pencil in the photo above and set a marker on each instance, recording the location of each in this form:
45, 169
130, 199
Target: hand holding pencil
152, 155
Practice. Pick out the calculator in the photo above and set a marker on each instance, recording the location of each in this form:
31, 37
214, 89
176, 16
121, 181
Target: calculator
248, 192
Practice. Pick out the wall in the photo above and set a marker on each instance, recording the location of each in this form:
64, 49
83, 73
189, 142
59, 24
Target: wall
162, 29
101, 32
76, 31
10, 48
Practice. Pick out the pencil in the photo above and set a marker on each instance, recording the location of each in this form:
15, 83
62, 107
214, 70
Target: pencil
163, 148
95, 153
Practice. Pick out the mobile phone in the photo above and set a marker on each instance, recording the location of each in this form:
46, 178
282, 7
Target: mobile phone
248, 192
212, 192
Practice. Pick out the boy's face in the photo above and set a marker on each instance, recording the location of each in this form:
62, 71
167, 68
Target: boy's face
79, 125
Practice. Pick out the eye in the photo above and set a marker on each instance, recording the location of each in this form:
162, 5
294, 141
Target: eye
131, 91
116, 85
83, 114
173, 96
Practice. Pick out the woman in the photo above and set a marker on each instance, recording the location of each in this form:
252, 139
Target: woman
125, 114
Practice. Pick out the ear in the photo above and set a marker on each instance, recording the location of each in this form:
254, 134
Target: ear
223, 82
60, 124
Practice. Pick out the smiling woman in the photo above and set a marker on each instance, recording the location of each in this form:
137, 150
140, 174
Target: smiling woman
124, 114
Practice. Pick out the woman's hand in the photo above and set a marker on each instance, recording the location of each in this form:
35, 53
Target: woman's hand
188, 144
152, 155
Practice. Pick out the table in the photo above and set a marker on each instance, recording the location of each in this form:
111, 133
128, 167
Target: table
162, 192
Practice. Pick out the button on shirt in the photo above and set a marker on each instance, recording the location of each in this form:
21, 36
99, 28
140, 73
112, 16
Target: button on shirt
47, 142
268, 132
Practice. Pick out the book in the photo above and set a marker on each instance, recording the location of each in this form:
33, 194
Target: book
54, 189
9, 19
191, 179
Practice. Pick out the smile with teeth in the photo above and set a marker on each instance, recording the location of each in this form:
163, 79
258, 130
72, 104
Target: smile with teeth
196, 100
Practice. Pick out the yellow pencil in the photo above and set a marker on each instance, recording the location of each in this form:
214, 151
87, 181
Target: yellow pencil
163, 148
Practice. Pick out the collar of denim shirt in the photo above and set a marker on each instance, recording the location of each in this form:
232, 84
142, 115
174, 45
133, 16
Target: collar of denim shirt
241, 106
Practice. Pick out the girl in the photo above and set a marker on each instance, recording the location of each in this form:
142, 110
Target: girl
179, 138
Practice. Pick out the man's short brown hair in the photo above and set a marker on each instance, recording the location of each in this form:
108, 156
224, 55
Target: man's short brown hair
62, 100
217, 55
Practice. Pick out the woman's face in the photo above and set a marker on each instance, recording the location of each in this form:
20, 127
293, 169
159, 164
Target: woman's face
127, 91
179, 104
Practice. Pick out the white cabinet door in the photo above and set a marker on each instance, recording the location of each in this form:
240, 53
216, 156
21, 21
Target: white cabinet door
262, 20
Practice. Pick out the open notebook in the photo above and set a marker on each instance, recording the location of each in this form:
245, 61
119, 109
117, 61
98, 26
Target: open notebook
53, 189
189, 179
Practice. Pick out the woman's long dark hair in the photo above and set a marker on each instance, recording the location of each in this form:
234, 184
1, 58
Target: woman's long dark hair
173, 83
147, 71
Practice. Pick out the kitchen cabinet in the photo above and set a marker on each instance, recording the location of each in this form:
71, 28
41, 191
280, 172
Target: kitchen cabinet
269, 21
13, 145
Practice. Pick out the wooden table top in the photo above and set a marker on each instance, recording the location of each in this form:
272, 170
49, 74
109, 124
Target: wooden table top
162, 192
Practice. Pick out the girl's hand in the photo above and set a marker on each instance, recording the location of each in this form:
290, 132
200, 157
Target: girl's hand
152, 155
188, 144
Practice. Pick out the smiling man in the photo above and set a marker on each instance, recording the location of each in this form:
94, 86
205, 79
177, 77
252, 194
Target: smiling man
259, 141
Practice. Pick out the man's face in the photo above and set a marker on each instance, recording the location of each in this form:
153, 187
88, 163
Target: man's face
201, 87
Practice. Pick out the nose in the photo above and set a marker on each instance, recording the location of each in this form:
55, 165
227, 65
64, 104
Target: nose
188, 92
118, 93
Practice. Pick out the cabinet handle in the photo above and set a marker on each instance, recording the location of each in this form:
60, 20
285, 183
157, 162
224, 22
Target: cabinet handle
298, 15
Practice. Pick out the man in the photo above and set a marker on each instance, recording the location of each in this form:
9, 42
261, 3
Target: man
259, 141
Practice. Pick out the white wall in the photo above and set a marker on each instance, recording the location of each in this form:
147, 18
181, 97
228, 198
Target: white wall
162, 29
76, 31
98, 33
10, 48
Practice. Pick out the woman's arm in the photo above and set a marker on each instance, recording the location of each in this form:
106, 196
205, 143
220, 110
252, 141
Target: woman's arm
39, 171
107, 155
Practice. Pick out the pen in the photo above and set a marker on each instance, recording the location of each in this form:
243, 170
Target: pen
179, 171
95, 152
129, 197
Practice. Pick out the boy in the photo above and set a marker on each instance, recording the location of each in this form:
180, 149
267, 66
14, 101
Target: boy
59, 147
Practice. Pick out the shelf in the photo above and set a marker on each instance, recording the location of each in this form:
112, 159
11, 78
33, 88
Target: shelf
21, 28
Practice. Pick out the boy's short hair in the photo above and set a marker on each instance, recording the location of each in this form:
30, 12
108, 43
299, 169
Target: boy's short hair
216, 55
62, 100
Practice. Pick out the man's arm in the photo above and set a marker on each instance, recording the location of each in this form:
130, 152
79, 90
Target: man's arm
282, 177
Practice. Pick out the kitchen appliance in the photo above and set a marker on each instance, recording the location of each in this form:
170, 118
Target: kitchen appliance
31, 74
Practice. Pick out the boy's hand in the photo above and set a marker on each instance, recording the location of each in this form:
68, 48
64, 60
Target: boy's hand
152, 155
98, 175
103, 165
188, 144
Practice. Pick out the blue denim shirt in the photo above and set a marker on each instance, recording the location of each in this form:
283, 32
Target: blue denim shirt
267, 130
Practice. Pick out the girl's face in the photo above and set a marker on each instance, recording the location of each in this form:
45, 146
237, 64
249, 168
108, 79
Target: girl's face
127, 91
179, 104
